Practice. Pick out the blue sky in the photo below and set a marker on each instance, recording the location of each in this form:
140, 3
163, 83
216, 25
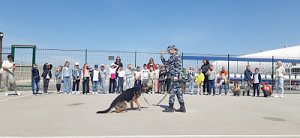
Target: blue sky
197, 26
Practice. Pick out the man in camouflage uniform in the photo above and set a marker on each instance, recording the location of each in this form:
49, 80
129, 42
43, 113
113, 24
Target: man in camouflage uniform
174, 65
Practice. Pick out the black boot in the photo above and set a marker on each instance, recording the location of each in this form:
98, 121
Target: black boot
170, 108
181, 109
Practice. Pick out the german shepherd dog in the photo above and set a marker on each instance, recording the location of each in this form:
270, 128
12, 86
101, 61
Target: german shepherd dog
129, 96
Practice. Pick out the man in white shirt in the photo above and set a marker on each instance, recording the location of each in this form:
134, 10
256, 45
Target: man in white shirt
8, 74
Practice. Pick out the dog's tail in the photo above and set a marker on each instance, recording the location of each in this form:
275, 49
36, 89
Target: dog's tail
107, 110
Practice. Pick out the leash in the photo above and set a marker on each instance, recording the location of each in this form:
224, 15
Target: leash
169, 91
162, 99
146, 100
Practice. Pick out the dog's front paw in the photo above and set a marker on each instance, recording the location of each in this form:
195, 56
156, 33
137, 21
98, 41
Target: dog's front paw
139, 109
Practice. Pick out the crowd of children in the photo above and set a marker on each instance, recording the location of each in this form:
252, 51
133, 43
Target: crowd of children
68, 80
154, 75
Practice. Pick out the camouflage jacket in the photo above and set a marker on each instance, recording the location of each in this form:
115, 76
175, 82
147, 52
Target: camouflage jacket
174, 65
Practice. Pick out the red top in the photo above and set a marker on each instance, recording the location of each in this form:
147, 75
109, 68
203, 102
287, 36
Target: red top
153, 65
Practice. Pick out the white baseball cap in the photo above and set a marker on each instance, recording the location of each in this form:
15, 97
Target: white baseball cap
76, 63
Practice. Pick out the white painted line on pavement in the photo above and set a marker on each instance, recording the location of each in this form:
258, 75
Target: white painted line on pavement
177, 136
13, 98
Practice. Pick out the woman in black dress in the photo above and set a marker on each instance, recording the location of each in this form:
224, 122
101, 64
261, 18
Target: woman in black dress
205, 68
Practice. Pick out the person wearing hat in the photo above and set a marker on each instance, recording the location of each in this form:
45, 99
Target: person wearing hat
174, 65
95, 77
76, 74
8, 67
47, 75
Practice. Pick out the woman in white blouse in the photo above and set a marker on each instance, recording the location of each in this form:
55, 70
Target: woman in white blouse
279, 77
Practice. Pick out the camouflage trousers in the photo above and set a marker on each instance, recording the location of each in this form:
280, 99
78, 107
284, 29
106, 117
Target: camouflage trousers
176, 90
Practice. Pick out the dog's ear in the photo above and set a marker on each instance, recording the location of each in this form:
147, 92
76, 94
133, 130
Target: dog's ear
144, 88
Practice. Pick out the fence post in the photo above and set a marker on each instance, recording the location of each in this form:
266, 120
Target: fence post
86, 51
228, 78
135, 59
272, 76
33, 55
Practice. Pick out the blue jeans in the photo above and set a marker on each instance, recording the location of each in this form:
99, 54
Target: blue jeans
35, 86
67, 85
86, 85
128, 83
95, 86
211, 86
112, 85
191, 86
279, 86
225, 86
120, 84
46, 84
256, 88
102, 85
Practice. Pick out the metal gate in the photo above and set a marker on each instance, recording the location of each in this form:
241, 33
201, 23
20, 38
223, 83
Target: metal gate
24, 58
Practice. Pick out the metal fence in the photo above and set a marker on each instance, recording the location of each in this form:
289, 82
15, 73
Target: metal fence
235, 64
